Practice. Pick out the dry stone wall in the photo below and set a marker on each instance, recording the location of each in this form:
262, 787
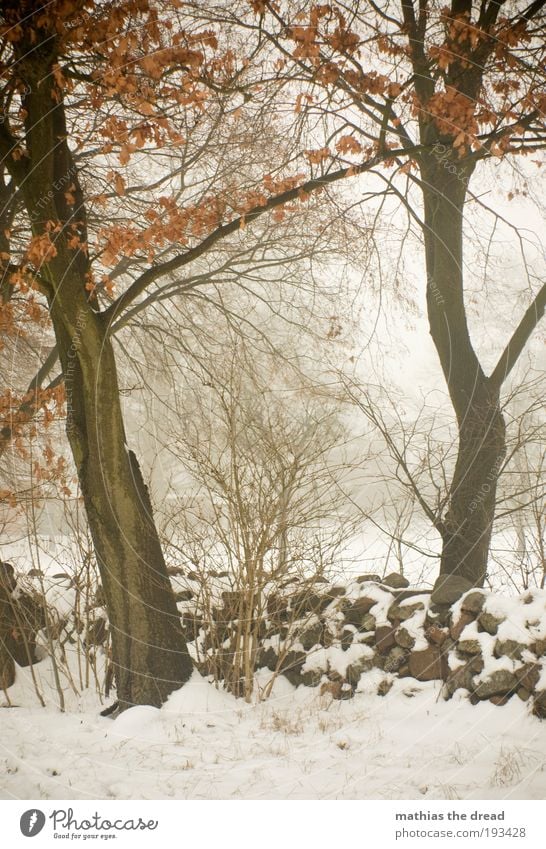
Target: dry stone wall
341, 638
488, 646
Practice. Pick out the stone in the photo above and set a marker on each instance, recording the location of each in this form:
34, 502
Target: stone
289, 582
273, 605
184, 595
268, 657
404, 639
539, 647
438, 614
194, 576
539, 704
435, 635
192, 624
489, 623
403, 595
328, 638
354, 671
291, 666
509, 648
523, 694
428, 665
355, 613
499, 700
384, 638
473, 602
22, 615
332, 688
312, 636
337, 689
499, 683
346, 639
224, 630
342, 605
460, 678
346, 691
384, 687
469, 647
367, 639
330, 595
396, 581
219, 614
457, 628
311, 677
367, 623
378, 660
476, 664
364, 579
403, 612
394, 660
305, 601
449, 588
528, 675
232, 600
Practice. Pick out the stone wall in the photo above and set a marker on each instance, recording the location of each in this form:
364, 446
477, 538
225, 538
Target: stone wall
486, 645
341, 638
21, 617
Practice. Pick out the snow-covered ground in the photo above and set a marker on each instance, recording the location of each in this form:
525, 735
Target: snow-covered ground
205, 744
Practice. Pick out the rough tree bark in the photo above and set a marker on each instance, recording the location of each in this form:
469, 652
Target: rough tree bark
149, 652
467, 524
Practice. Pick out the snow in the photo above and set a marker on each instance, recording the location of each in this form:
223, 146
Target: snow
205, 744
298, 744
415, 624
524, 616
335, 658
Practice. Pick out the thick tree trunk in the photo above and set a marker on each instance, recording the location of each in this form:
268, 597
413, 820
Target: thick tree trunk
149, 652
466, 527
469, 520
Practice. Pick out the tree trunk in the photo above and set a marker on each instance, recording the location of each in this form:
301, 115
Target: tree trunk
150, 656
149, 653
467, 524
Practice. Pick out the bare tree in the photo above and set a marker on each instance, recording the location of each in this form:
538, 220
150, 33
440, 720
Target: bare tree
257, 462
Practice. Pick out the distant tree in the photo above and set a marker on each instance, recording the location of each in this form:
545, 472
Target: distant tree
257, 462
443, 88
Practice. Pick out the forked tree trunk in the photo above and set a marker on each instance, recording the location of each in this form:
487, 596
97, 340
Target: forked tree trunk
149, 651
467, 525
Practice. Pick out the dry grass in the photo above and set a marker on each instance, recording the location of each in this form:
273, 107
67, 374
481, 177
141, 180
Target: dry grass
284, 722
508, 767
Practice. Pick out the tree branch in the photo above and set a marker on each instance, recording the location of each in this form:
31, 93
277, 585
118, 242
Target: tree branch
29, 407
519, 339
313, 185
